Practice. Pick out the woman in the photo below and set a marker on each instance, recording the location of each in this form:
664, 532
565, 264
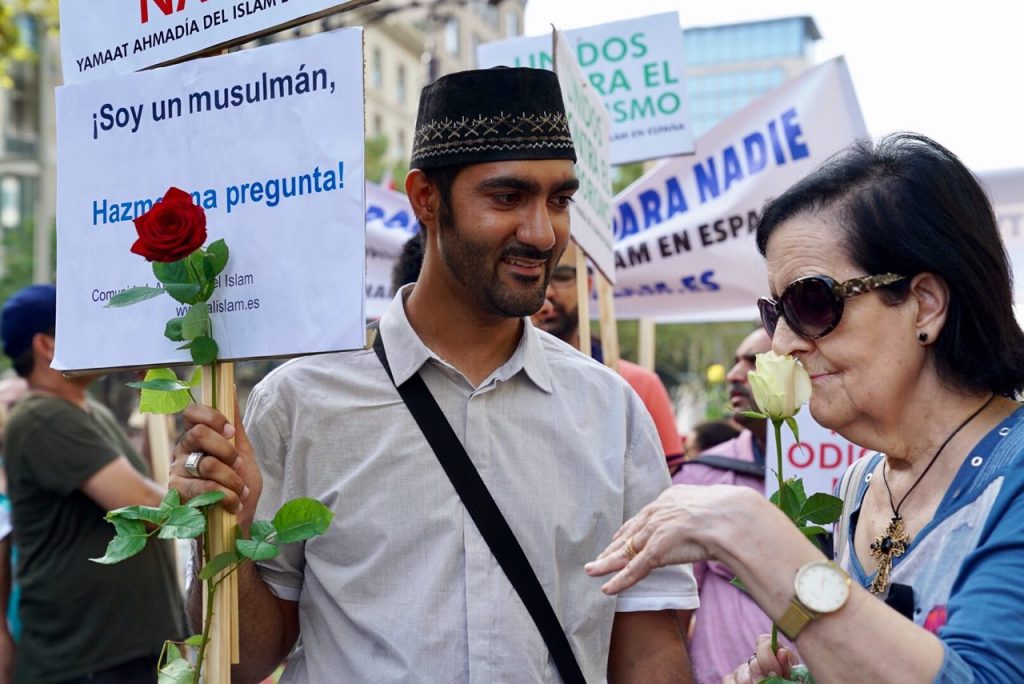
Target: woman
891, 286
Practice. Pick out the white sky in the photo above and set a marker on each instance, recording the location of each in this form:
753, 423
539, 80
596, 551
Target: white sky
951, 70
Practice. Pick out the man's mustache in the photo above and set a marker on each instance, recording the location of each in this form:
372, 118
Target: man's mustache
526, 252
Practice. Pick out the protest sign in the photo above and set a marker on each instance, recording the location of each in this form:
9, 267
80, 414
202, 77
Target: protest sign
1006, 192
270, 143
102, 38
389, 225
591, 211
685, 248
635, 66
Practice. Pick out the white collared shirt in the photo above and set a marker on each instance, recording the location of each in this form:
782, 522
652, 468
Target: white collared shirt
402, 587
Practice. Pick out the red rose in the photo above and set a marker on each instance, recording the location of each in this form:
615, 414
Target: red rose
172, 229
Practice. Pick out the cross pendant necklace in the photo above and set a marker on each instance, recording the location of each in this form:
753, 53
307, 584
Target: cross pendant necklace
895, 541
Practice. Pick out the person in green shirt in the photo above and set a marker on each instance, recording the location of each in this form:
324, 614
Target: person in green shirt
68, 462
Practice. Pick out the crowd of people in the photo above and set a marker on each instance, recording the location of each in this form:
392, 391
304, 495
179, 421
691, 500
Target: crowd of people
487, 559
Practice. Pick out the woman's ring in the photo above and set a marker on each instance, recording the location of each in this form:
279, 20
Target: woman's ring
630, 550
192, 463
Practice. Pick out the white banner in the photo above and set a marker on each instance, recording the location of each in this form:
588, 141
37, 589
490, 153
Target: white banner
591, 211
270, 143
637, 68
1006, 192
685, 249
101, 38
389, 225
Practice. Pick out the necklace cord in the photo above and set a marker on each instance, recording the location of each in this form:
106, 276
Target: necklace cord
896, 508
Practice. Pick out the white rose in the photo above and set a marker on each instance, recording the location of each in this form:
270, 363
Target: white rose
780, 385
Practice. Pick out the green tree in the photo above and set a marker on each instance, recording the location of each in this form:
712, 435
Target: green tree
378, 163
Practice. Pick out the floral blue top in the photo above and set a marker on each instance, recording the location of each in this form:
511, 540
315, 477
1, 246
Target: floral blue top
966, 567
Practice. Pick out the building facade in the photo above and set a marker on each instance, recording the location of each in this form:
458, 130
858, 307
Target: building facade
730, 65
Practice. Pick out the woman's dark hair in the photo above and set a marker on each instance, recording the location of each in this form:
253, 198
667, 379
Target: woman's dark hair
908, 205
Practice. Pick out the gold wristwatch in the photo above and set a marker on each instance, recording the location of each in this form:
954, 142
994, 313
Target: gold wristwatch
820, 587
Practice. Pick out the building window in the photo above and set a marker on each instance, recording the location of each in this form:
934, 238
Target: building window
377, 69
401, 89
378, 125
512, 24
451, 36
402, 150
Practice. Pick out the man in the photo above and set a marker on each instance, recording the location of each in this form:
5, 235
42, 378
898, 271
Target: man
560, 317
402, 587
728, 622
68, 463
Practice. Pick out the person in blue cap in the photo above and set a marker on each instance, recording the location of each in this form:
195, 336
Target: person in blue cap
68, 463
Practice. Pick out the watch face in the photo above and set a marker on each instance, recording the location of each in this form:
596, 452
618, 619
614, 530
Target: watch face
822, 587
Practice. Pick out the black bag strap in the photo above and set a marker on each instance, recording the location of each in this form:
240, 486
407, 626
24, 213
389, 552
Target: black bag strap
726, 463
486, 515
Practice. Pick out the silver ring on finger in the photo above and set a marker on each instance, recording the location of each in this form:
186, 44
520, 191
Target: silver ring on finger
192, 463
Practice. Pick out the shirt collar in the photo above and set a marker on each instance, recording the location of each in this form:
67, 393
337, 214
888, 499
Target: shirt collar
407, 353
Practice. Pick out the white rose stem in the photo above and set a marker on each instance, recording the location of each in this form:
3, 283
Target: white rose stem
222, 650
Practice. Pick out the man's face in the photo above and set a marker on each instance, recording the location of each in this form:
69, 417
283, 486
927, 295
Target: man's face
740, 396
505, 230
559, 316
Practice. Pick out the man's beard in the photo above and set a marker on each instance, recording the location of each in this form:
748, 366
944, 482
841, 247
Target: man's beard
472, 266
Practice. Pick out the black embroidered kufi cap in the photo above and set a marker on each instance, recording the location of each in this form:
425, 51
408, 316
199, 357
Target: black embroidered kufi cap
487, 115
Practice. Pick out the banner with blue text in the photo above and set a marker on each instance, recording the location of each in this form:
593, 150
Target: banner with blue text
685, 249
270, 143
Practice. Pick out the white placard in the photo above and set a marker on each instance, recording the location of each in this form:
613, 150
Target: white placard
100, 38
281, 180
591, 211
637, 68
390, 223
685, 249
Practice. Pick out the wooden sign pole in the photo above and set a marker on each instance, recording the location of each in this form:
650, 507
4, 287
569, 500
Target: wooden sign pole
582, 299
609, 330
645, 343
222, 650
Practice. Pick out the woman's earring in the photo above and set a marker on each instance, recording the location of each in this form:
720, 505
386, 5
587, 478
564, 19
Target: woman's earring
922, 337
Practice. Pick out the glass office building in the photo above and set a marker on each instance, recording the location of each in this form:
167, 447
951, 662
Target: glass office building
728, 66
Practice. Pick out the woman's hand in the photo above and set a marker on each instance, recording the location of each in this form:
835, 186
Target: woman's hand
680, 526
764, 663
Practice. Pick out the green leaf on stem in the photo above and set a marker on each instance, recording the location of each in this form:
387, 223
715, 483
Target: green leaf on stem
218, 563
752, 414
171, 273
195, 641
205, 499
790, 503
821, 508
797, 486
172, 330
176, 672
163, 392
217, 257
196, 322
301, 519
186, 293
791, 422
204, 350
184, 522
812, 531
133, 295
148, 514
130, 538
738, 583
258, 547
172, 498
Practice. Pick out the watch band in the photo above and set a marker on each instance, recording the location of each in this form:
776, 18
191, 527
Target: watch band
795, 618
